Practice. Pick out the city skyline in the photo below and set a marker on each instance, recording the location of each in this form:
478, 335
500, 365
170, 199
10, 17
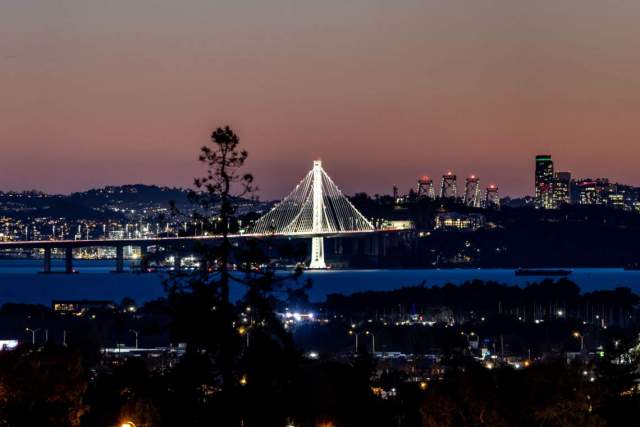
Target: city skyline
108, 94
434, 180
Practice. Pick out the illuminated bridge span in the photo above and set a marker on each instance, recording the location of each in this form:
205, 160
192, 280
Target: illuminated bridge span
315, 209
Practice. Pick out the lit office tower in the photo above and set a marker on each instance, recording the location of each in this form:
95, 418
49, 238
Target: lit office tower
425, 188
472, 191
562, 189
448, 189
544, 182
616, 200
589, 192
492, 200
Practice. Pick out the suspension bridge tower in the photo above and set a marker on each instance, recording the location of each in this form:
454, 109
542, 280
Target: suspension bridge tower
315, 207
492, 199
448, 188
425, 188
472, 191
317, 242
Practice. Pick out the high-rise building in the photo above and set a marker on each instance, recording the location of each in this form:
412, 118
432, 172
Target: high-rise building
589, 192
615, 195
544, 182
616, 200
472, 191
601, 192
492, 200
448, 188
562, 189
425, 188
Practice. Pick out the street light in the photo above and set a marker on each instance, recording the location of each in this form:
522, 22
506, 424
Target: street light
373, 341
33, 335
355, 334
128, 424
579, 335
244, 331
467, 336
136, 334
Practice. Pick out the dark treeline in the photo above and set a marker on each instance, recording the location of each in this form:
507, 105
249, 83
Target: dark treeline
474, 299
549, 394
536, 320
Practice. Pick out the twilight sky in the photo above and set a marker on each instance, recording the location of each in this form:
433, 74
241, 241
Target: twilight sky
96, 92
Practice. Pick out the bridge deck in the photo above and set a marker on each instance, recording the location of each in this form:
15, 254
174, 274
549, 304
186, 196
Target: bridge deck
170, 241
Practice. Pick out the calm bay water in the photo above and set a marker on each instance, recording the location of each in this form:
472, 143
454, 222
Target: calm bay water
20, 281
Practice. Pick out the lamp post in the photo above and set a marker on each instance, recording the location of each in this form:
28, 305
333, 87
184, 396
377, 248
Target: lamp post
136, 334
579, 335
373, 341
244, 332
355, 334
33, 335
468, 337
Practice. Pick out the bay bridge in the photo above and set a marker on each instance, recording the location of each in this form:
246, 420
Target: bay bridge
315, 209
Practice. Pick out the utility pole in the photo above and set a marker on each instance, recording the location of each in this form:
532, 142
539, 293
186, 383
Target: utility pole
136, 335
33, 335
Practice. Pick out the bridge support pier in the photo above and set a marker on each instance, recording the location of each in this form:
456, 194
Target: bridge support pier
68, 260
119, 259
177, 263
375, 243
317, 253
47, 261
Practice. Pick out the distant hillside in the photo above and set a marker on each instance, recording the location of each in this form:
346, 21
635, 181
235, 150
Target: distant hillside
130, 195
111, 202
62, 208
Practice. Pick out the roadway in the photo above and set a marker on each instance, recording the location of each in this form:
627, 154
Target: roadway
167, 241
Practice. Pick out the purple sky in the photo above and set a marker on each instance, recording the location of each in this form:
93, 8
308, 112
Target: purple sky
111, 92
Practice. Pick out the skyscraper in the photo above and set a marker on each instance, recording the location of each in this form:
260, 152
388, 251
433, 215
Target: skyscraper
425, 188
589, 192
544, 182
562, 189
594, 191
492, 200
472, 191
448, 188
